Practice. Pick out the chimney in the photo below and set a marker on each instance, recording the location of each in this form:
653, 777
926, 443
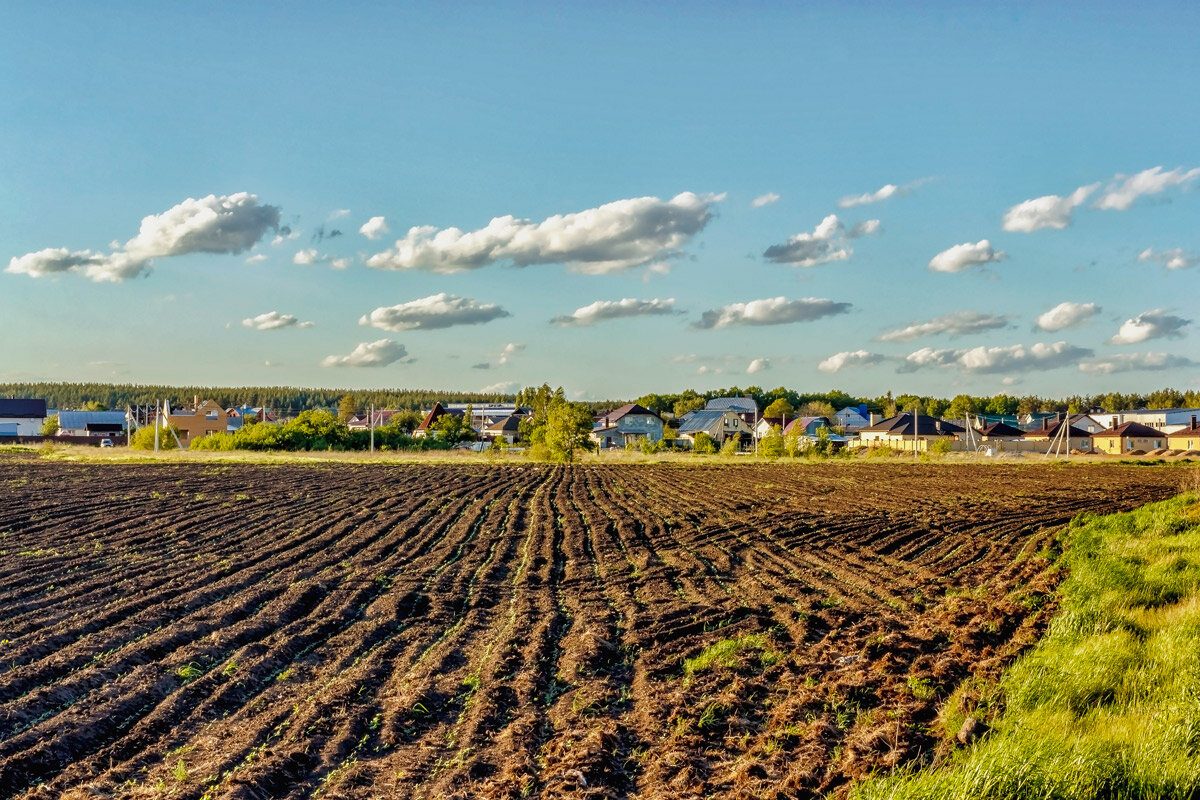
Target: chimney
874, 418
1193, 421
1114, 422
1045, 423
195, 402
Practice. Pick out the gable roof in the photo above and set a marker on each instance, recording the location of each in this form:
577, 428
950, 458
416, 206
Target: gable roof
22, 407
702, 420
78, 420
1129, 430
739, 404
902, 425
999, 429
625, 410
1051, 431
510, 424
1185, 433
437, 412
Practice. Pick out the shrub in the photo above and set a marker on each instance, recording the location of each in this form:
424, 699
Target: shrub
704, 444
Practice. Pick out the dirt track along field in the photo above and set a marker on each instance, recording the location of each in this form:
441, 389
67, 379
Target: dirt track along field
251, 631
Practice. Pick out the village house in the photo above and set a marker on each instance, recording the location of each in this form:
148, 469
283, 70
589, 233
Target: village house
629, 424
22, 416
1165, 420
719, 423
428, 426
507, 429
853, 419
1185, 438
1052, 431
94, 424
1127, 437
202, 419
900, 433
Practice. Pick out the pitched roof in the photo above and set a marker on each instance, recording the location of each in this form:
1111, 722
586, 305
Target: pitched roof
75, 420
22, 407
438, 411
740, 404
902, 425
1185, 433
1051, 431
510, 424
628, 408
999, 429
1129, 430
701, 420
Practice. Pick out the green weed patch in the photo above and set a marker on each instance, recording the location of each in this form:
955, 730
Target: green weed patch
1107, 705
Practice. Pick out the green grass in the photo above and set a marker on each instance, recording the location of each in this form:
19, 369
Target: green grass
1107, 705
728, 653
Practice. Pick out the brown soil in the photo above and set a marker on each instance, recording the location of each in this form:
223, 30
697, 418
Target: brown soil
254, 631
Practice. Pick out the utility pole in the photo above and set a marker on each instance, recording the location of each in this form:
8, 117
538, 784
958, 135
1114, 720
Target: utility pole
157, 420
371, 425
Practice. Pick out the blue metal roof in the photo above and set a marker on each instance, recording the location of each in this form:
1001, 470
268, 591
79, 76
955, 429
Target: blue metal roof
73, 420
701, 420
733, 404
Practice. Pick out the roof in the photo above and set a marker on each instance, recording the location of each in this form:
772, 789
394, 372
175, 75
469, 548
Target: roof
437, 412
627, 409
510, 424
740, 404
771, 422
999, 429
73, 420
1185, 433
22, 407
1051, 431
902, 425
1129, 430
804, 422
702, 420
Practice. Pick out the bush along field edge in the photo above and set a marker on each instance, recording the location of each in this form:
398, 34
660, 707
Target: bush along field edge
1107, 704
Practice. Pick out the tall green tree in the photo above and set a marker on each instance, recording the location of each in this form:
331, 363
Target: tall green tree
568, 426
347, 408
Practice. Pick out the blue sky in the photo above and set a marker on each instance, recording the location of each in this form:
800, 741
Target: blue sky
918, 198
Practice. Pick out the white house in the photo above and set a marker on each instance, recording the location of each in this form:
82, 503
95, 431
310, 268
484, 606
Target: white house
22, 417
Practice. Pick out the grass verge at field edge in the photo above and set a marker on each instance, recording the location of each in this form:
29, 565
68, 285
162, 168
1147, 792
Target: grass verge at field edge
1105, 704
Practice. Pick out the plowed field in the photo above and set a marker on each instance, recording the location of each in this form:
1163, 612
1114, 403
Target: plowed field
250, 631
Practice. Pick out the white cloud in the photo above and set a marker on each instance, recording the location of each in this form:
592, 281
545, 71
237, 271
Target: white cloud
272, 320
285, 234
962, 256
827, 242
849, 358
339, 263
1066, 315
374, 228
1121, 193
1137, 362
956, 323
511, 349
884, 192
226, 224
615, 237
758, 365
307, 256
764, 200
429, 313
257, 258
379, 353
338, 213
1049, 211
1155, 324
504, 387
602, 310
1173, 259
990, 360
771, 311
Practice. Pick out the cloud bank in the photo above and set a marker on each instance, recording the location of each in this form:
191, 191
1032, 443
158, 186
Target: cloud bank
603, 310
226, 224
379, 353
771, 311
1066, 315
612, 238
273, 320
829, 241
991, 360
1155, 324
1171, 259
964, 256
1136, 362
849, 358
956, 323
440, 310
